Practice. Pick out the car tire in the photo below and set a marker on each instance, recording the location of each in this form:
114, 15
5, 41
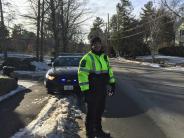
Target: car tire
49, 91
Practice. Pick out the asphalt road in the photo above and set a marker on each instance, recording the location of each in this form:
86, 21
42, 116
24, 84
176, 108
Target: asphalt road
19, 110
125, 119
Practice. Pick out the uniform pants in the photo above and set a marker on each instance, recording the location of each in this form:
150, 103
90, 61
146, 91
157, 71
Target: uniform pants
95, 108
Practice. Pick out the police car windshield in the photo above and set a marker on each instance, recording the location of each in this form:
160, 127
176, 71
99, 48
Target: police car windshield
67, 61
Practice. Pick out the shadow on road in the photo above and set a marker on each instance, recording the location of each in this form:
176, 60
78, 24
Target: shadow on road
10, 121
153, 88
121, 106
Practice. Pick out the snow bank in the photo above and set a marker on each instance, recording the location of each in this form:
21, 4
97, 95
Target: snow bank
137, 62
177, 68
151, 64
168, 59
172, 60
26, 84
56, 120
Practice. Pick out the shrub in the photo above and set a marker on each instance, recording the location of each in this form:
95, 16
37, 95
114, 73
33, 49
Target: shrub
172, 51
7, 84
20, 64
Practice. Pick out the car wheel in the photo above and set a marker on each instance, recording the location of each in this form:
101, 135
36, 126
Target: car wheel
49, 91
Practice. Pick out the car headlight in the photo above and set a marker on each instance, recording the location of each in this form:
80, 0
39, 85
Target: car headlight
49, 77
75, 81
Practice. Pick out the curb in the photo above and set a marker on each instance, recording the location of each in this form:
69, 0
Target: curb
11, 93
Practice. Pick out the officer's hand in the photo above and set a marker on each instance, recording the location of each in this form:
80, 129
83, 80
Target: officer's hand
111, 90
110, 93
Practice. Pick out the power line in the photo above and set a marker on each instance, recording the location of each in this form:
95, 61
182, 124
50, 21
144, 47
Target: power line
139, 26
136, 33
127, 36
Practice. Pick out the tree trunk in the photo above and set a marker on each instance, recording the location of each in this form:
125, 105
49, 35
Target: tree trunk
3, 31
53, 14
42, 35
38, 32
63, 28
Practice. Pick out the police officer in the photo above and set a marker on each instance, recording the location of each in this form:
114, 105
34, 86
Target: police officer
94, 75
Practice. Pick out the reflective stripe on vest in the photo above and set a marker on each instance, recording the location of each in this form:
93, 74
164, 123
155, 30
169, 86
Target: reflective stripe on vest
93, 62
93, 67
84, 83
85, 70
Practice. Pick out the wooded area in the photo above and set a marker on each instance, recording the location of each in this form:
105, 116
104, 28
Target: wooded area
58, 28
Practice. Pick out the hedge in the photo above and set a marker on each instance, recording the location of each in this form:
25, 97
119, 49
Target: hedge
7, 84
20, 64
172, 51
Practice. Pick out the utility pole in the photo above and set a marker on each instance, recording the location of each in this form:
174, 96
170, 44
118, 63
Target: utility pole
2, 26
107, 35
108, 41
118, 28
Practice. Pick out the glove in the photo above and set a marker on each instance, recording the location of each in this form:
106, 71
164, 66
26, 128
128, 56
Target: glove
111, 90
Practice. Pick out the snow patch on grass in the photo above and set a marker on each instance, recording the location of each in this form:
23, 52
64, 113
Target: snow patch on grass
170, 60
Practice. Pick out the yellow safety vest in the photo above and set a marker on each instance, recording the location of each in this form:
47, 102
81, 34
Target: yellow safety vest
92, 63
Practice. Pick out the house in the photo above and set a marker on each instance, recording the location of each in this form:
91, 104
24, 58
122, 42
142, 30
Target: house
179, 36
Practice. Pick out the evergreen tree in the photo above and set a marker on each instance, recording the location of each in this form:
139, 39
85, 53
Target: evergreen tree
148, 11
96, 30
120, 23
166, 28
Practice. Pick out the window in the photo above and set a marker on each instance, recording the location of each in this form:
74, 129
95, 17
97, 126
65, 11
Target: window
181, 32
181, 44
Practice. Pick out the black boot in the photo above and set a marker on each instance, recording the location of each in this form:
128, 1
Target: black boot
101, 134
90, 136
90, 131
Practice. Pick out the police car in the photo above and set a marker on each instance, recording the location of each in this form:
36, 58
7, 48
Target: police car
62, 77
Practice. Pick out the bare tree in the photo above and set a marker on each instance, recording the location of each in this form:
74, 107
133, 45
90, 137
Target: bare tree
66, 17
175, 6
54, 26
154, 32
36, 17
59, 19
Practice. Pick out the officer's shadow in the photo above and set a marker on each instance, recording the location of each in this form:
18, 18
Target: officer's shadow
121, 106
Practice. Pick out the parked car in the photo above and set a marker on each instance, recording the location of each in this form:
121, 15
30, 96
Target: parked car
62, 77
20, 63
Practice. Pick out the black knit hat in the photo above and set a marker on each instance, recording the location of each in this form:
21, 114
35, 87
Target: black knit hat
95, 39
